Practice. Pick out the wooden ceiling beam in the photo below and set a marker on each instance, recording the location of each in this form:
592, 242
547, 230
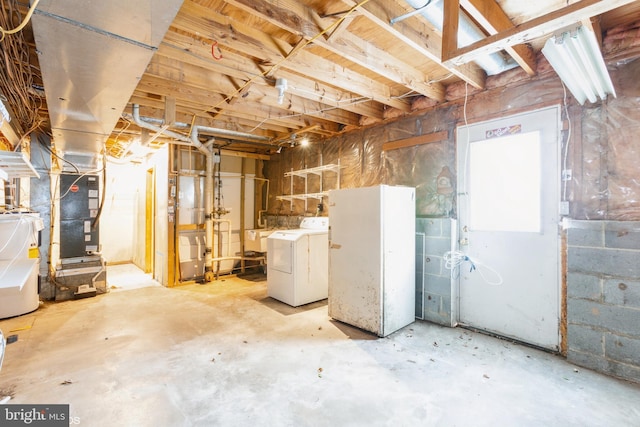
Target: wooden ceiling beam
450, 21
533, 29
239, 37
342, 27
199, 79
384, 64
424, 39
298, 113
184, 61
490, 16
332, 74
249, 41
332, 96
305, 23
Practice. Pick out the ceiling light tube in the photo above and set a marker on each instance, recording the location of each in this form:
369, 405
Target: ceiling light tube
576, 58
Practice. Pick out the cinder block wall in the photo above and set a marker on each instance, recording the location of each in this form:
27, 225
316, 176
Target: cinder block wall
603, 296
435, 298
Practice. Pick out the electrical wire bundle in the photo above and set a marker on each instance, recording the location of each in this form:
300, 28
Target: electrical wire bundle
17, 76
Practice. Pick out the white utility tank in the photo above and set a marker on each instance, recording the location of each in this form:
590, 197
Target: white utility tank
19, 263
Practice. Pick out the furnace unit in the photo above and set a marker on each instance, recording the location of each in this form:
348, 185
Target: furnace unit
81, 271
79, 205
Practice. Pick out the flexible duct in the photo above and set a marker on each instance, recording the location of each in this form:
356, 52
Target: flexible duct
468, 33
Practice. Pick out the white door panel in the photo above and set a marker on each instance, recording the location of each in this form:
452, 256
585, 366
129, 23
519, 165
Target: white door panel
508, 185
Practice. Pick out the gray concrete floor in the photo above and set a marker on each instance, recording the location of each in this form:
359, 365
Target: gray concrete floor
224, 354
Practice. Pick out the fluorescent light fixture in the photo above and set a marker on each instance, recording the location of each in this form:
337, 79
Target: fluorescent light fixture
576, 57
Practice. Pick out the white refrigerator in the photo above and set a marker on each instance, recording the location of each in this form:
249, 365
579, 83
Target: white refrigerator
372, 257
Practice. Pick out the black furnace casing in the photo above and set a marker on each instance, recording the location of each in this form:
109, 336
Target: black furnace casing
78, 210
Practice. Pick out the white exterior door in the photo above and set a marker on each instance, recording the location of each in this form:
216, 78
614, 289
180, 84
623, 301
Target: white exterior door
508, 199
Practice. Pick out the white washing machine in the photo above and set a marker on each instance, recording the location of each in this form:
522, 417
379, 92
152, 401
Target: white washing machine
298, 264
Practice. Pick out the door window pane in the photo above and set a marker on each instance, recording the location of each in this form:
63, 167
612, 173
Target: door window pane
504, 183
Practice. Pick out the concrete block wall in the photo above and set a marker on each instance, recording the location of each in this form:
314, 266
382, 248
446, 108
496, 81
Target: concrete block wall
603, 296
435, 296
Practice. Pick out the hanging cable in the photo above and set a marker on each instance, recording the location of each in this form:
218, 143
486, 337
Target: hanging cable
17, 75
53, 153
216, 53
455, 259
24, 22
96, 220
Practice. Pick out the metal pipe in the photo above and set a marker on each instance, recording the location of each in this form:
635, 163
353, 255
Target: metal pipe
193, 140
262, 224
208, 214
243, 182
209, 130
408, 15
171, 134
219, 256
228, 232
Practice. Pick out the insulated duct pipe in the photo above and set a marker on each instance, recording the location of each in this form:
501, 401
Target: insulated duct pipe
208, 182
247, 137
468, 33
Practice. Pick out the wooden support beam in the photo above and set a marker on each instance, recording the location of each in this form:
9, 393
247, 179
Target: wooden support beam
291, 17
250, 42
535, 28
416, 140
169, 110
245, 155
342, 27
299, 46
426, 42
450, 19
490, 16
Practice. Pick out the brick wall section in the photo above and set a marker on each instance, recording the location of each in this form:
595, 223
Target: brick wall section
434, 291
603, 296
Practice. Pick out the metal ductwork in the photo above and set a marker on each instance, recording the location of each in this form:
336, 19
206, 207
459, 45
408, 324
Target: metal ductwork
92, 56
468, 33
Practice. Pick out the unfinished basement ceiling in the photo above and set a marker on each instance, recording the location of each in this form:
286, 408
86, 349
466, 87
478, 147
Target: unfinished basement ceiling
259, 74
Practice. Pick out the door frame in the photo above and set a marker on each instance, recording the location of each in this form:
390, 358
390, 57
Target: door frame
149, 223
462, 187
